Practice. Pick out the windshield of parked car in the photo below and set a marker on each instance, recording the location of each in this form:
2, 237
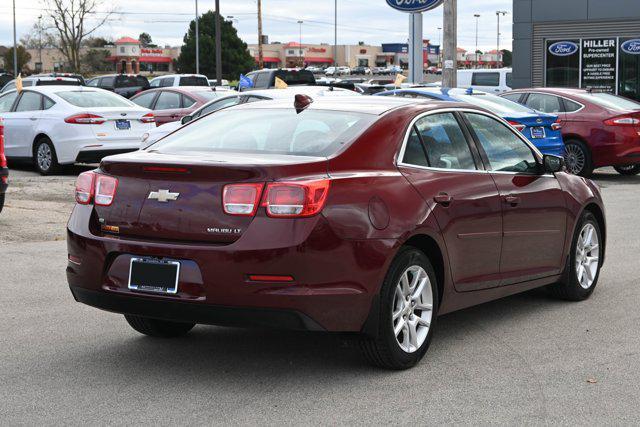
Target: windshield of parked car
611, 102
94, 99
193, 81
274, 131
66, 82
495, 104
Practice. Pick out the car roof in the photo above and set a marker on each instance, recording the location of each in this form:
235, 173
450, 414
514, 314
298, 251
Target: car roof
52, 89
180, 75
303, 90
188, 89
553, 90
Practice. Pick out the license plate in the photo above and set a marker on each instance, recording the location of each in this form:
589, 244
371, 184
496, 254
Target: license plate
123, 124
153, 275
538, 132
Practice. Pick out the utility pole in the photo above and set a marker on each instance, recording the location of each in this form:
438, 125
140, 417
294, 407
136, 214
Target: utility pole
476, 51
15, 44
300, 45
449, 72
498, 13
440, 47
197, 42
218, 45
40, 40
260, 51
335, 34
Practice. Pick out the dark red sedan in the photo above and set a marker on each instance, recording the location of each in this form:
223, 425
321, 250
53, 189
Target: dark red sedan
366, 215
599, 129
170, 104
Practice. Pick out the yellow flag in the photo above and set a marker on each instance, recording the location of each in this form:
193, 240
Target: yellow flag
399, 80
280, 84
19, 83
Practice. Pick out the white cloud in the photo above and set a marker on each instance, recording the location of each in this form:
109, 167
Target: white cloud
358, 20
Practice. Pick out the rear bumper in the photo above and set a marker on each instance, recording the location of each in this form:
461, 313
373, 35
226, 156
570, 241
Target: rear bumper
94, 156
196, 313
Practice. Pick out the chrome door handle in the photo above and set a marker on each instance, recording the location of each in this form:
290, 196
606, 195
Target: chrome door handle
512, 200
33, 119
443, 199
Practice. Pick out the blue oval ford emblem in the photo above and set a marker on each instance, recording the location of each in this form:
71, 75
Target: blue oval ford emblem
414, 5
631, 46
563, 48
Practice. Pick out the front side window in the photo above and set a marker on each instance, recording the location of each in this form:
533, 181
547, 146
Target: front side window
107, 82
262, 80
545, 103
93, 82
509, 81
166, 82
168, 101
445, 143
6, 101
187, 101
219, 105
29, 101
505, 151
485, 79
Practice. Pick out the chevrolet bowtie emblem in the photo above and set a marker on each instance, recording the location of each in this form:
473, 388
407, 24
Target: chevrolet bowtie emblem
163, 196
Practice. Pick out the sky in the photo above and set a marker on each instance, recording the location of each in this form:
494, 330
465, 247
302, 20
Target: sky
370, 21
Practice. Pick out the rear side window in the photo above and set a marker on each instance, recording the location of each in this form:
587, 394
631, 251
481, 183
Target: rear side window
168, 101
513, 97
446, 145
6, 101
276, 131
48, 103
485, 79
545, 103
93, 99
414, 153
145, 99
29, 101
187, 101
166, 82
194, 81
509, 78
570, 106
107, 81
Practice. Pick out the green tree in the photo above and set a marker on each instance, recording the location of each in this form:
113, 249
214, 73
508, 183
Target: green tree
507, 59
23, 59
235, 55
95, 60
145, 40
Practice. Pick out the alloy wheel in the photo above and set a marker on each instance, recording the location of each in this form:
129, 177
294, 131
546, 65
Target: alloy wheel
587, 256
575, 158
44, 157
412, 308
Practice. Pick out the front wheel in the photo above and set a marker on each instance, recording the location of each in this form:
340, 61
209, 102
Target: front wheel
45, 158
584, 263
628, 170
407, 315
158, 328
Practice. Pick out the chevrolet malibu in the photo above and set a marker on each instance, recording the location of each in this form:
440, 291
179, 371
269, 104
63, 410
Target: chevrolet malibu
363, 215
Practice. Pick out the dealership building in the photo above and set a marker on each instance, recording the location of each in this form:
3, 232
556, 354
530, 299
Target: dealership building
593, 44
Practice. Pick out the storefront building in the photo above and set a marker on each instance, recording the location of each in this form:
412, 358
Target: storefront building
292, 54
589, 44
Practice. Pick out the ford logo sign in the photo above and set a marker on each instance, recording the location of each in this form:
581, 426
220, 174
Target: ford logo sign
414, 5
563, 48
631, 46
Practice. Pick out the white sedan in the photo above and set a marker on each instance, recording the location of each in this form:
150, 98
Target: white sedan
58, 125
242, 98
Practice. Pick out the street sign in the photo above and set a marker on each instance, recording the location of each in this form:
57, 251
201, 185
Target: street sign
414, 5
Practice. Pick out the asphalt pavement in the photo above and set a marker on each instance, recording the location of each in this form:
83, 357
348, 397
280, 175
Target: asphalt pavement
526, 359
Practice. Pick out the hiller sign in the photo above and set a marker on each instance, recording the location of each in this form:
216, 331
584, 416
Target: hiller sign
414, 6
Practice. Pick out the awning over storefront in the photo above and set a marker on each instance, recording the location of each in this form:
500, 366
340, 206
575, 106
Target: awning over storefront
270, 59
155, 59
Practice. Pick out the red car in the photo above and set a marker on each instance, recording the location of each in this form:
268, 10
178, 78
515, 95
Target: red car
170, 104
4, 171
367, 215
599, 129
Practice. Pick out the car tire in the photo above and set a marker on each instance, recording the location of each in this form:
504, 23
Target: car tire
578, 158
404, 329
1, 201
628, 170
581, 275
158, 328
45, 158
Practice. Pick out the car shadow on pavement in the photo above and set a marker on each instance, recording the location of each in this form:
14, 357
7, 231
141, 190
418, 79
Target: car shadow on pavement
615, 178
68, 170
222, 355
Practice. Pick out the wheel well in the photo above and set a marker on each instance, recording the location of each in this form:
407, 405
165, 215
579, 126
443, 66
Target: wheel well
38, 137
575, 137
431, 249
597, 212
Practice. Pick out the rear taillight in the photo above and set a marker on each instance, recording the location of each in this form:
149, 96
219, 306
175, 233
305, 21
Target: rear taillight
3, 159
85, 119
84, 187
622, 121
556, 126
97, 188
295, 199
519, 126
241, 199
148, 118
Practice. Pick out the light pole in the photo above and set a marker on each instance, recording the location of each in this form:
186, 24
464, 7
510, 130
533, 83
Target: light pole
498, 13
260, 50
335, 35
300, 45
218, 44
476, 51
197, 42
15, 44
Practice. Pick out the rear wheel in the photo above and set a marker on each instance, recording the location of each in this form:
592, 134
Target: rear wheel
578, 158
407, 315
583, 266
628, 170
45, 158
158, 328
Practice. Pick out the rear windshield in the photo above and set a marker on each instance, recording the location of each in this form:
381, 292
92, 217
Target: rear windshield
194, 81
58, 83
293, 77
94, 99
209, 95
277, 131
612, 102
132, 81
495, 104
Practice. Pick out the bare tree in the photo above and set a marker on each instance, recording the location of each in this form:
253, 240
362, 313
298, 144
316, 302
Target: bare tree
70, 21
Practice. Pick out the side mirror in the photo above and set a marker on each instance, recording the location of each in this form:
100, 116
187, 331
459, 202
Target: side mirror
552, 164
186, 119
